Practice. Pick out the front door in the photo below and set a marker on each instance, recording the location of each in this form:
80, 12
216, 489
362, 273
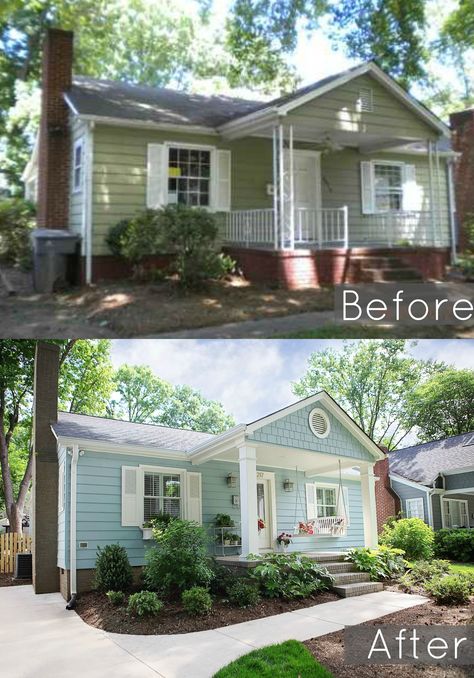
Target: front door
307, 194
264, 513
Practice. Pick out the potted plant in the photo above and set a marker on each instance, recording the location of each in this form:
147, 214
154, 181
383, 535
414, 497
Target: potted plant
227, 538
223, 520
147, 529
234, 539
284, 540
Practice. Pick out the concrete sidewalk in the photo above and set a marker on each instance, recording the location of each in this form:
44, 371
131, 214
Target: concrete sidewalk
40, 639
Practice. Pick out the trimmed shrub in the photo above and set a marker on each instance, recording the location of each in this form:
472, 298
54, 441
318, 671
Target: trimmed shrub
412, 535
114, 238
139, 240
180, 560
290, 576
222, 578
113, 571
455, 545
423, 572
197, 601
382, 563
243, 593
16, 225
453, 589
116, 597
144, 604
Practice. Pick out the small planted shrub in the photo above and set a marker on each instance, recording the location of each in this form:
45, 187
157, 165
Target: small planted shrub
455, 544
412, 535
145, 604
423, 572
243, 593
290, 576
382, 563
112, 569
16, 225
180, 560
222, 578
452, 589
114, 238
197, 601
116, 597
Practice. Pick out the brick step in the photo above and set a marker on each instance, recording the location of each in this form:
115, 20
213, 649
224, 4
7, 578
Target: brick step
350, 578
358, 589
339, 567
391, 274
326, 557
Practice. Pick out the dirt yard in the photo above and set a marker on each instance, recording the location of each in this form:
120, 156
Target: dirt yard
329, 650
7, 580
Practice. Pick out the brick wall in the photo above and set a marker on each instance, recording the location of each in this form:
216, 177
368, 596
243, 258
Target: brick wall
387, 502
54, 139
462, 124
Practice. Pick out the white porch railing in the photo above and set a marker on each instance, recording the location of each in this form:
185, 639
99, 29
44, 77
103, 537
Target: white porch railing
251, 227
398, 229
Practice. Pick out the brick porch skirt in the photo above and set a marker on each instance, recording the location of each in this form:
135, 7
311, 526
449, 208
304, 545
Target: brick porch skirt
310, 268
116, 268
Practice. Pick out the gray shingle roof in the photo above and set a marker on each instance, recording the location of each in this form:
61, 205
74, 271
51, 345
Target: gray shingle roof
127, 433
154, 104
424, 462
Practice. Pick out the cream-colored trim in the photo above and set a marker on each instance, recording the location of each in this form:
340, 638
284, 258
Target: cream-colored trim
79, 143
148, 124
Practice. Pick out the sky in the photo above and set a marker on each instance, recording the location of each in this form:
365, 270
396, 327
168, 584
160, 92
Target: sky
252, 378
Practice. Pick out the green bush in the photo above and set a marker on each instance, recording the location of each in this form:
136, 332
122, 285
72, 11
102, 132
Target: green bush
197, 601
243, 593
16, 225
290, 576
116, 597
423, 572
180, 559
454, 589
222, 578
412, 535
140, 239
455, 544
114, 238
382, 563
145, 603
112, 569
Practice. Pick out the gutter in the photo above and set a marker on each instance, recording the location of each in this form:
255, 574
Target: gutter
452, 210
72, 530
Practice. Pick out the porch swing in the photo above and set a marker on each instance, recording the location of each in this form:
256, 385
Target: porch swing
326, 525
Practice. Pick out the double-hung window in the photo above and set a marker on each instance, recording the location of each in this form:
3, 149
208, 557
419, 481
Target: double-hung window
189, 176
162, 494
388, 187
78, 165
415, 508
326, 501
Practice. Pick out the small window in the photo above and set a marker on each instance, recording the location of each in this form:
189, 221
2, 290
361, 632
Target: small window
319, 423
388, 187
162, 494
365, 102
78, 165
326, 502
189, 176
61, 487
415, 508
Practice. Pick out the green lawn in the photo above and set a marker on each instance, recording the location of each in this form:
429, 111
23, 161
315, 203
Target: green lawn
466, 568
290, 660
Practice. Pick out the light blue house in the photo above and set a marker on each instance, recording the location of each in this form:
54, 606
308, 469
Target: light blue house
306, 469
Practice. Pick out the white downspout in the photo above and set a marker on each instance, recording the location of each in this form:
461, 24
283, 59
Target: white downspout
452, 211
430, 161
438, 192
88, 200
72, 529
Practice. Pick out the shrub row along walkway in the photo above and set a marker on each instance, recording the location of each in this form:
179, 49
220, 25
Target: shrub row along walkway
61, 645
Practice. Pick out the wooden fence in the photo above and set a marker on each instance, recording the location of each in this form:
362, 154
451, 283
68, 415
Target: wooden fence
12, 543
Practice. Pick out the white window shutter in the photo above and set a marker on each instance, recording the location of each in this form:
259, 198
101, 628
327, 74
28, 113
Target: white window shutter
223, 181
412, 193
367, 187
343, 506
194, 497
311, 512
156, 187
131, 496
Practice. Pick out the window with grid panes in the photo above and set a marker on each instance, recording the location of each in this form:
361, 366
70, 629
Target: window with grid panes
189, 176
326, 501
388, 187
162, 494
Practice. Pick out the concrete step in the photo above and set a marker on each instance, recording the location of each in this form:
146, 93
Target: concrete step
350, 578
358, 589
339, 567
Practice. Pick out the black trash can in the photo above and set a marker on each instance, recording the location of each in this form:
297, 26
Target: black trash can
52, 252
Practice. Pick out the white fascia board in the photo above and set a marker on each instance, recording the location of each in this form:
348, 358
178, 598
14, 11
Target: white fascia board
218, 445
251, 121
410, 483
465, 469
68, 101
148, 124
114, 448
335, 409
462, 490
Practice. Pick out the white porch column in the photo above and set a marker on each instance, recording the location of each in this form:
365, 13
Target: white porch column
248, 499
367, 486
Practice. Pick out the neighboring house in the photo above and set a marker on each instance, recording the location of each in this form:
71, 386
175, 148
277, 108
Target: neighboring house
435, 481
307, 463
347, 179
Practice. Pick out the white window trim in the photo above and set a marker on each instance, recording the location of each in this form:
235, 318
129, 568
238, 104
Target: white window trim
391, 163
462, 501
415, 500
325, 486
79, 143
61, 487
334, 486
164, 470
213, 175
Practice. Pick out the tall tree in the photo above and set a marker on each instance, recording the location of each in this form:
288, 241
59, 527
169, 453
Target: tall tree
371, 380
84, 380
443, 406
187, 408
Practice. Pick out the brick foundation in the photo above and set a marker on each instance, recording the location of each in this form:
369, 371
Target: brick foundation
116, 268
386, 500
310, 268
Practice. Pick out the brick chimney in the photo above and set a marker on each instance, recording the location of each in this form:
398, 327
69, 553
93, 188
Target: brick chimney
54, 141
462, 126
45, 470
386, 500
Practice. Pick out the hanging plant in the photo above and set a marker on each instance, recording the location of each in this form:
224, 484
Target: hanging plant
306, 528
260, 524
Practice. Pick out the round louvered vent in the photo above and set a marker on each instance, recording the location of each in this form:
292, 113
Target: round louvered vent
319, 423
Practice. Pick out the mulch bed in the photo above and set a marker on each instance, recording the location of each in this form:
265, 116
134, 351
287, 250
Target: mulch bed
7, 580
95, 609
329, 650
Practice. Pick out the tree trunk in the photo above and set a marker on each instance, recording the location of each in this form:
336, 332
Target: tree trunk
15, 518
